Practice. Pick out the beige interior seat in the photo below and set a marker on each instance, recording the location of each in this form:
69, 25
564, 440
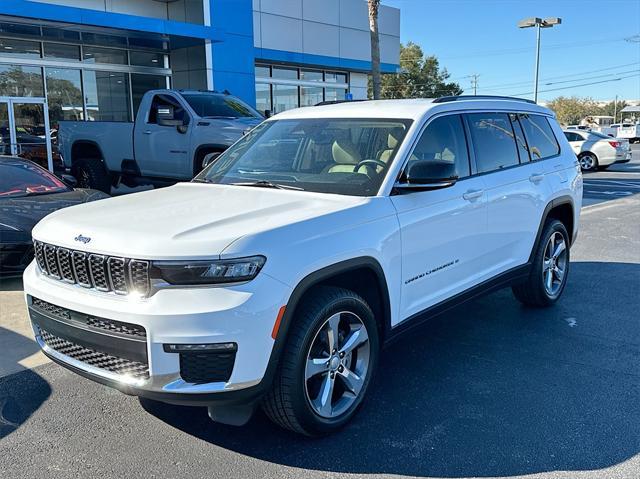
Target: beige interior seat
345, 157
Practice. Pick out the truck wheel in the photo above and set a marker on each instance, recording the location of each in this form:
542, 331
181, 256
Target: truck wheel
327, 364
91, 173
549, 270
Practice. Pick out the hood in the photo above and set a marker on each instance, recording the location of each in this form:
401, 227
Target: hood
188, 220
21, 214
231, 128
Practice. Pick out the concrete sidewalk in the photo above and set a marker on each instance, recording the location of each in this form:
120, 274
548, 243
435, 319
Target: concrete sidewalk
18, 349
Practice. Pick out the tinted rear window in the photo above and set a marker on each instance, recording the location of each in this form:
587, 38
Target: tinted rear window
540, 138
493, 141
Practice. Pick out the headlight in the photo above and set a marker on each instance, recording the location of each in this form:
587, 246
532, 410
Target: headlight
209, 271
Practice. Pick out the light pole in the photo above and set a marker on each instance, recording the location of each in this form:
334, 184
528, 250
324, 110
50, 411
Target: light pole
538, 23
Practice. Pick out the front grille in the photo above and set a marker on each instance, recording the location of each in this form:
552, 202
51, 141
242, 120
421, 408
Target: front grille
110, 325
97, 359
104, 273
206, 367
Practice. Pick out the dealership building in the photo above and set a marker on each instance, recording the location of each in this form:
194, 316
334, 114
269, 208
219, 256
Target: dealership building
94, 59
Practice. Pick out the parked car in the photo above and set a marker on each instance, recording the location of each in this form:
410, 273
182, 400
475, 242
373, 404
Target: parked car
32, 147
274, 277
596, 150
174, 130
630, 131
28, 193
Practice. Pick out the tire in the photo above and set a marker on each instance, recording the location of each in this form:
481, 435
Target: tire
295, 401
588, 161
535, 290
197, 164
91, 173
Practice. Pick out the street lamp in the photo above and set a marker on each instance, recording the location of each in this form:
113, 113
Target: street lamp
538, 23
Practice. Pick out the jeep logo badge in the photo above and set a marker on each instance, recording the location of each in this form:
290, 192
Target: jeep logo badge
82, 239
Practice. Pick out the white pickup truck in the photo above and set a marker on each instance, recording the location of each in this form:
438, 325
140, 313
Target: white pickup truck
174, 130
629, 131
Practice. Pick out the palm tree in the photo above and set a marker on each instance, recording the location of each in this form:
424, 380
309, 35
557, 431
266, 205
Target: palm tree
374, 6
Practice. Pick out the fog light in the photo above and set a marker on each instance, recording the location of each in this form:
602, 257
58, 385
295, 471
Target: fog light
185, 348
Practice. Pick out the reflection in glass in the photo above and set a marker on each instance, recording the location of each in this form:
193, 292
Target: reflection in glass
333, 94
30, 132
262, 71
104, 55
5, 138
263, 97
64, 93
285, 97
141, 84
334, 77
310, 75
310, 95
16, 80
19, 48
61, 50
146, 59
286, 73
107, 96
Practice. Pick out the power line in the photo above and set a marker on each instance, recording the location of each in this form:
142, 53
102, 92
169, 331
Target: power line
576, 86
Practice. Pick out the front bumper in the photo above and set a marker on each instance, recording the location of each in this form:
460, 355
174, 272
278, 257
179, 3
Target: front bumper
241, 314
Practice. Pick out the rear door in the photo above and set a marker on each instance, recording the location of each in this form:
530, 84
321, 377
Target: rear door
443, 232
162, 150
516, 186
575, 141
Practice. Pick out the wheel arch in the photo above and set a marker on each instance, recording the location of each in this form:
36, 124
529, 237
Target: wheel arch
203, 150
86, 149
562, 209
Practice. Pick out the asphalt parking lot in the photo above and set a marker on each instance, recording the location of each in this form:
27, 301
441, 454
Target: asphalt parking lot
492, 389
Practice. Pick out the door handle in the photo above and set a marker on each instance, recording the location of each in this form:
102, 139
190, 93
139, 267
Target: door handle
147, 132
536, 178
472, 194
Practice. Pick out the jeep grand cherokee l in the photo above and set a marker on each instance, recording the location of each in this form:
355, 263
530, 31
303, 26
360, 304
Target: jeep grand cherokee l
276, 275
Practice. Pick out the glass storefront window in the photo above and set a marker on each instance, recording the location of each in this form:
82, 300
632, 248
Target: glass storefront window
310, 95
284, 73
61, 50
141, 84
104, 55
19, 48
107, 96
335, 77
263, 97
285, 97
102, 39
310, 75
262, 71
64, 95
333, 94
16, 80
146, 59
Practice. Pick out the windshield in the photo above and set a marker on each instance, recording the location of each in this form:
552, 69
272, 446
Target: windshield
217, 105
25, 178
343, 156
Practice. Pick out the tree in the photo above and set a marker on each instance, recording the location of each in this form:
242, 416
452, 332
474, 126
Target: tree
420, 77
374, 7
612, 110
570, 110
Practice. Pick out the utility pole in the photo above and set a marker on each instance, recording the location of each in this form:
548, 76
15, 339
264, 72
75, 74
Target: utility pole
615, 109
474, 83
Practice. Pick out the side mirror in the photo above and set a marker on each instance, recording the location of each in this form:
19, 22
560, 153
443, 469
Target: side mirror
267, 113
69, 180
210, 158
426, 175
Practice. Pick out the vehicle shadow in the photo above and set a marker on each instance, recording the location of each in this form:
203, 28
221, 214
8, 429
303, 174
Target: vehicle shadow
490, 389
22, 392
11, 284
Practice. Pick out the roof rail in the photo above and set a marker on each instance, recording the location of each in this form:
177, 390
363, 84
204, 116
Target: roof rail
335, 102
445, 99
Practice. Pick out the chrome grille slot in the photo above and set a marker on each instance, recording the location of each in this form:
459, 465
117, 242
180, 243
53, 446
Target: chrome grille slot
139, 272
98, 272
116, 268
91, 270
66, 270
80, 268
51, 259
39, 253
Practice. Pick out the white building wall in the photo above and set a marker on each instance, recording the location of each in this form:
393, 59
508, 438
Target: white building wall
336, 28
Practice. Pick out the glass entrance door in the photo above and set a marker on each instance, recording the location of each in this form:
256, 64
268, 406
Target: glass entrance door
24, 130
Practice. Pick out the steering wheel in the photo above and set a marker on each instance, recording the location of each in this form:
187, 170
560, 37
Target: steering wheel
375, 163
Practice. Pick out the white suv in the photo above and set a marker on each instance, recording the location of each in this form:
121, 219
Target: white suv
276, 275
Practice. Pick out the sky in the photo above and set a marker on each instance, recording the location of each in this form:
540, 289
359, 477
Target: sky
481, 37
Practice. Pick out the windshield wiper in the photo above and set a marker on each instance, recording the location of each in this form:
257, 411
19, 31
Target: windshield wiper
201, 180
268, 184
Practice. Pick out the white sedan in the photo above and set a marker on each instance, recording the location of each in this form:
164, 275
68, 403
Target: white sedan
596, 151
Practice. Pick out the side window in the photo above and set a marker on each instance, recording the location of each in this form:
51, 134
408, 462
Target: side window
572, 136
444, 140
523, 149
540, 137
493, 141
168, 108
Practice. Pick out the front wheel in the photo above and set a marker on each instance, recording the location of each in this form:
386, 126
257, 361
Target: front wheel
588, 162
549, 270
327, 364
91, 173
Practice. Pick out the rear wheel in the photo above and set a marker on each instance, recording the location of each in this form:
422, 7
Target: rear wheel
549, 270
588, 162
327, 364
91, 173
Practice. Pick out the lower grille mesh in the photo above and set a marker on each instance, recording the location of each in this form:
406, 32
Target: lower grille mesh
96, 359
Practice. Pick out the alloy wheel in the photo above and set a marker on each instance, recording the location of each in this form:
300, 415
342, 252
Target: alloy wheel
554, 264
587, 162
337, 365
